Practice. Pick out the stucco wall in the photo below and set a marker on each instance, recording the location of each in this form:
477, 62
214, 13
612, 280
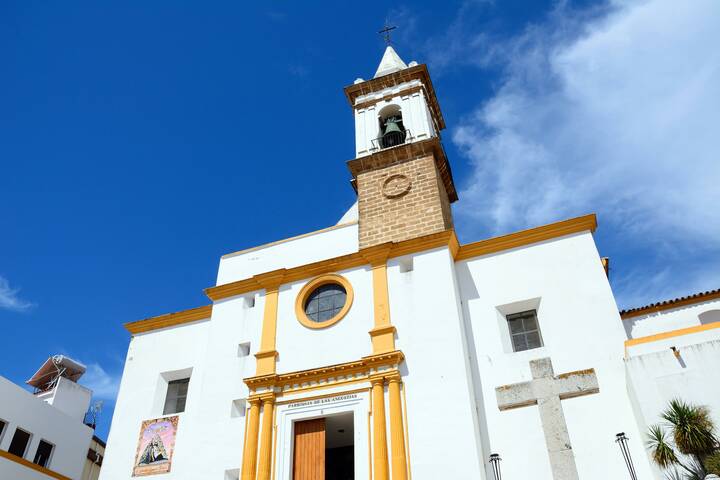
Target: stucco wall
658, 377
142, 393
564, 280
314, 247
303, 348
425, 309
70, 436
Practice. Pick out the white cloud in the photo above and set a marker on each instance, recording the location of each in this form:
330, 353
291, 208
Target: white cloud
9, 299
104, 385
614, 111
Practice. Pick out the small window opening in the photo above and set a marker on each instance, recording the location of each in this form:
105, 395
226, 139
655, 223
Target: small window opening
249, 301
243, 349
238, 408
176, 396
524, 330
232, 474
42, 454
19, 443
406, 264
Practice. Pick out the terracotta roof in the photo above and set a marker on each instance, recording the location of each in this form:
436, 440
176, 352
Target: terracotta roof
674, 303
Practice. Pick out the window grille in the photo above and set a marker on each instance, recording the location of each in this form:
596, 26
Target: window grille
524, 331
176, 396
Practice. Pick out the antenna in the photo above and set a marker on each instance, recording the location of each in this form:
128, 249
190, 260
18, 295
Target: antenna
93, 413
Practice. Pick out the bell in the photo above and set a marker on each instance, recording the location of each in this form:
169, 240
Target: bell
393, 134
391, 125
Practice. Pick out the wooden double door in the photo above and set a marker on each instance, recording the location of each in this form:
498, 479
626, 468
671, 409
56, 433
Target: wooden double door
309, 452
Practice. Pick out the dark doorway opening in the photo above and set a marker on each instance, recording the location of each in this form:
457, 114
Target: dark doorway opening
340, 447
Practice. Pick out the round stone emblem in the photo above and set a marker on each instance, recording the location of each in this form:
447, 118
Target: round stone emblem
396, 186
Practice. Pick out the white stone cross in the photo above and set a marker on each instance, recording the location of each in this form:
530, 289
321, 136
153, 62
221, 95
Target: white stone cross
546, 391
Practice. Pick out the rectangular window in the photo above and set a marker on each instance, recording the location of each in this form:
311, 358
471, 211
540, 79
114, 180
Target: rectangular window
19, 443
176, 396
3, 424
524, 330
42, 455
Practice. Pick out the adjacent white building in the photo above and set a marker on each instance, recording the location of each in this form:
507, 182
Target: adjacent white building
382, 348
43, 434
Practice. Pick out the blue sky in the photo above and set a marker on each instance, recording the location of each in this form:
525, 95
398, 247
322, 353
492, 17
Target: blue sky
139, 141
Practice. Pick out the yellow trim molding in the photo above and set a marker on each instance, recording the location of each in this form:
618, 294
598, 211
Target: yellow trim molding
267, 355
310, 287
420, 244
396, 249
382, 334
32, 466
527, 237
169, 320
352, 260
286, 381
671, 334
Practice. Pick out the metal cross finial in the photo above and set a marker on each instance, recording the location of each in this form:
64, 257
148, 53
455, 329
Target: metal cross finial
385, 32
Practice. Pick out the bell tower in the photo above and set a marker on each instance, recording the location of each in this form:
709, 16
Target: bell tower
400, 172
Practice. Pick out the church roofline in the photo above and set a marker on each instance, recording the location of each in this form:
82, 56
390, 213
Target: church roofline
670, 304
289, 239
394, 249
417, 72
169, 319
446, 238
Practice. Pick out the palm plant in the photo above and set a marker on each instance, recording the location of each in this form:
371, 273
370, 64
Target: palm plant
692, 434
692, 428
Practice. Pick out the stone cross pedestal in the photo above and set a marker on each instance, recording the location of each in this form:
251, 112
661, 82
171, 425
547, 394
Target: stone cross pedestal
546, 391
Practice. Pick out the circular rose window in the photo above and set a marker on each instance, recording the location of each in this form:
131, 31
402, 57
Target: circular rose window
323, 301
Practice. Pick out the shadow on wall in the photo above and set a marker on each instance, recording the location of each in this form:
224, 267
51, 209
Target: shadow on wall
711, 316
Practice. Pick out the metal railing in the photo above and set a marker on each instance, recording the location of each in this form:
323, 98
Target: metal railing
392, 140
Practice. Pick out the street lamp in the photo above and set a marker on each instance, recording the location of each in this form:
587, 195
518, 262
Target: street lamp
621, 439
495, 462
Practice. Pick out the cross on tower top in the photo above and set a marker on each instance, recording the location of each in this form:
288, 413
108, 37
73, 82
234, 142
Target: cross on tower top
385, 32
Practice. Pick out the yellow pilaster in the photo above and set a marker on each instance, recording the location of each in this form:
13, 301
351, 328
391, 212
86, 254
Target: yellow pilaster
264, 466
383, 332
267, 354
380, 454
250, 451
397, 434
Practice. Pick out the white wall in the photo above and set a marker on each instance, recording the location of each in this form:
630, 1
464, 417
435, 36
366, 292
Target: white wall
70, 398
562, 278
314, 247
69, 435
302, 348
14, 471
424, 307
451, 327
660, 376
142, 393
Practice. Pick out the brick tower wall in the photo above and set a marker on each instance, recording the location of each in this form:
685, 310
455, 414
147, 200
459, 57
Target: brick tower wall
402, 201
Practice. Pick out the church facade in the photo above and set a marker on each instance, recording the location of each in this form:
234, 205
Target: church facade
382, 348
